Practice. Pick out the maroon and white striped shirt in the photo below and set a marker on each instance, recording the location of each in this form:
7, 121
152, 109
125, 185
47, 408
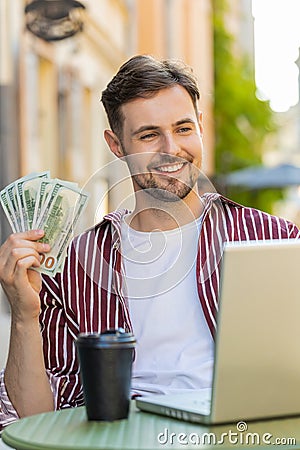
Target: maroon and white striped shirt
89, 295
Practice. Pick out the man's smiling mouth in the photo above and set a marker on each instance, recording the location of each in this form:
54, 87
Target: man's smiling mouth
170, 168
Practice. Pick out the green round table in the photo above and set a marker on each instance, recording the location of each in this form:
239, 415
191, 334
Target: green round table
69, 429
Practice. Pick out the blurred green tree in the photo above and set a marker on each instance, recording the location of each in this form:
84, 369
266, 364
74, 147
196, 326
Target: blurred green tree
242, 121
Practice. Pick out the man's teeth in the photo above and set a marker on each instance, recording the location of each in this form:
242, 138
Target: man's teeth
169, 169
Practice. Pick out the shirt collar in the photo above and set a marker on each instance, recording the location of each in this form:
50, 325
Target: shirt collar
116, 217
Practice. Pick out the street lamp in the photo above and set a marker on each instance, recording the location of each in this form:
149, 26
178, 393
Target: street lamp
54, 20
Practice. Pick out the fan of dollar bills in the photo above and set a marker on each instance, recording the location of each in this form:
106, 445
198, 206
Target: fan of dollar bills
38, 202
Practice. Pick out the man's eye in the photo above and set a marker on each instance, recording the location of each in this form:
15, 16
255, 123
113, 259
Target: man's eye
184, 129
144, 137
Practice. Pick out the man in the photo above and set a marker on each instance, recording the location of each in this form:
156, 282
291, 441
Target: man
154, 270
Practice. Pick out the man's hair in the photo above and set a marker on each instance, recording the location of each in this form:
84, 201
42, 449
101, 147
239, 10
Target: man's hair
142, 76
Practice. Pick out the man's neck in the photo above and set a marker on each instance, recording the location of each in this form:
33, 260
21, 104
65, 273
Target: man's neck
151, 214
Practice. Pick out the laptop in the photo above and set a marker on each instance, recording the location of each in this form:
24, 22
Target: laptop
257, 353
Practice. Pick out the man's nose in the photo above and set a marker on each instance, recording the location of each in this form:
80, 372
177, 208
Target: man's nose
170, 144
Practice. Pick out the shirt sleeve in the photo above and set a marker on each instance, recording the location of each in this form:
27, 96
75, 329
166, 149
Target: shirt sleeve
294, 232
7, 412
59, 330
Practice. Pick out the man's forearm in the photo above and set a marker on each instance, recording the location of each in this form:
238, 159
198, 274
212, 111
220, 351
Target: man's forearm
26, 380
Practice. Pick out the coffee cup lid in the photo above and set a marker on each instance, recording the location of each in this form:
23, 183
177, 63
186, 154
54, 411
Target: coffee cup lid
109, 337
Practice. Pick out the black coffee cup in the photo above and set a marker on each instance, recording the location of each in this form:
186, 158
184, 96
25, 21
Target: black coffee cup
105, 368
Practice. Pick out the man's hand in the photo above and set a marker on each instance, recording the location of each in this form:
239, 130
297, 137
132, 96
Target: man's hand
26, 380
18, 255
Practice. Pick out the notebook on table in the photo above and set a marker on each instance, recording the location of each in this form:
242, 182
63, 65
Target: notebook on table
257, 353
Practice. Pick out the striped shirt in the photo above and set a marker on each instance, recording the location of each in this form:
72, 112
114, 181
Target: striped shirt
90, 295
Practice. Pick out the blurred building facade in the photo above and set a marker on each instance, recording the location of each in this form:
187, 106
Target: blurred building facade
51, 92
51, 116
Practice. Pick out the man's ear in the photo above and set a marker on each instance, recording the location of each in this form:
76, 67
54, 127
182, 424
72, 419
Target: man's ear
200, 121
114, 143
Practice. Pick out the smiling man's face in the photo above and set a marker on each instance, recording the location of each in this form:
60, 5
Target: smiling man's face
162, 142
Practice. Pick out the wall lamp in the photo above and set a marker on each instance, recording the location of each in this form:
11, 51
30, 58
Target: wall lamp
54, 20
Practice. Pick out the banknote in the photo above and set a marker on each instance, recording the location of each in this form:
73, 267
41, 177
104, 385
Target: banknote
37, 201
27, 189
59, 216
45, 186
8, 210
11, 195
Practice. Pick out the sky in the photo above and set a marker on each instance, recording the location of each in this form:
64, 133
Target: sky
277, 42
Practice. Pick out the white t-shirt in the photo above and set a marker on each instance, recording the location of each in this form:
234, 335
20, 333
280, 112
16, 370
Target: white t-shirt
174, 346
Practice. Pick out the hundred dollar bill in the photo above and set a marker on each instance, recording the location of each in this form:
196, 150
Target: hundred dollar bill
8, 211
45, 187
63, 207
36, 201
48, 193
11, 196
27, 189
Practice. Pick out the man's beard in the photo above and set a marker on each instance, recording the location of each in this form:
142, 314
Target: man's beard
171, 190
162, 186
